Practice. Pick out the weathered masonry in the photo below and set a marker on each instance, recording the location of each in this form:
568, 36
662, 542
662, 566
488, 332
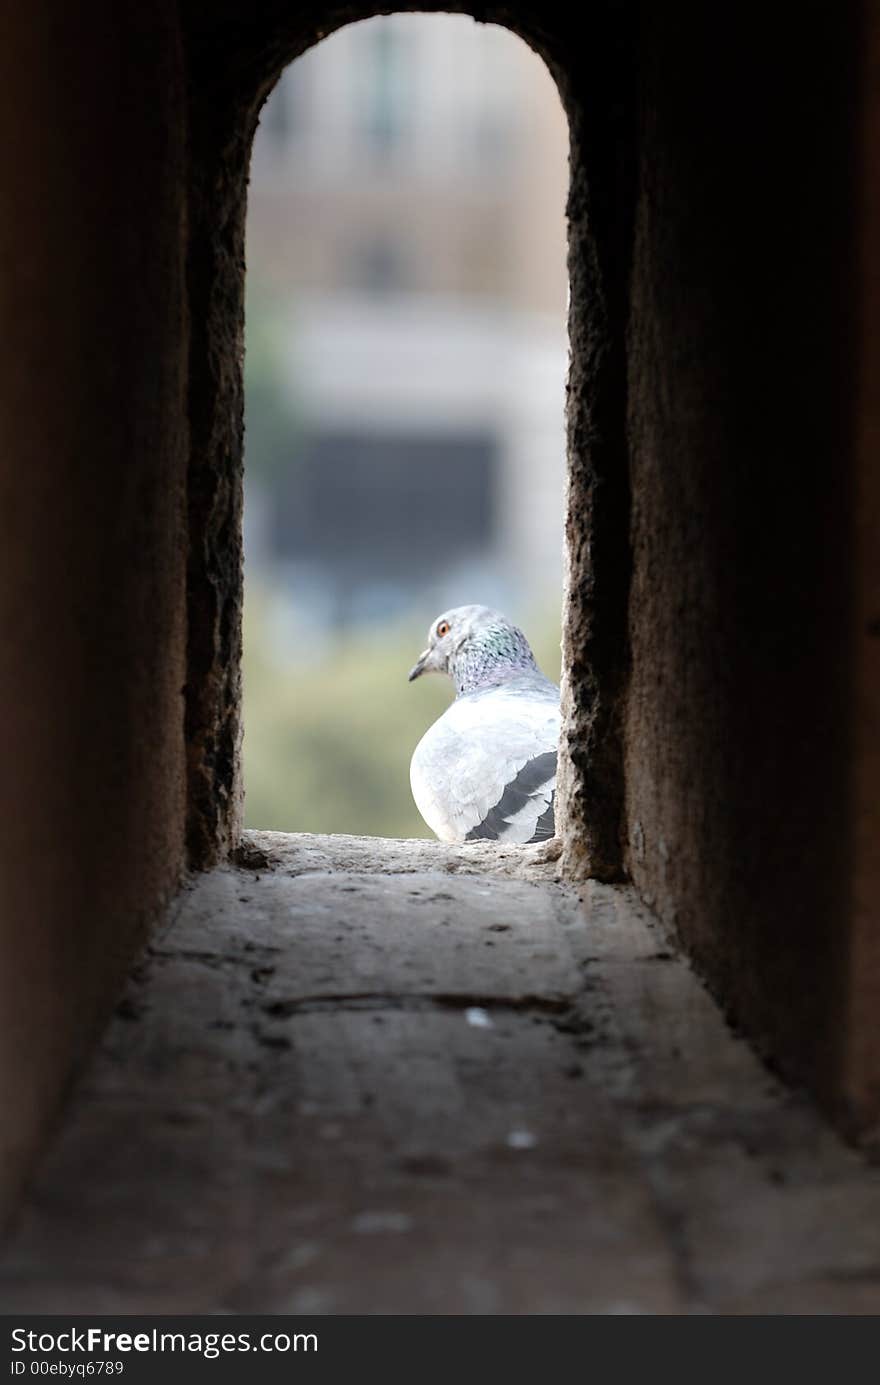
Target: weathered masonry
722, 640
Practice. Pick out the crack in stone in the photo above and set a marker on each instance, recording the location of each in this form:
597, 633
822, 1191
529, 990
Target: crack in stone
252, 953
551, 1005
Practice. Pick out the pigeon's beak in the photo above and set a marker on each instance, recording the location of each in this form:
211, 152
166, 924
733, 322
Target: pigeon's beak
419, 667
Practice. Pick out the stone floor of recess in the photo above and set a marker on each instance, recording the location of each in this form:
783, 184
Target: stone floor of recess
365, 1076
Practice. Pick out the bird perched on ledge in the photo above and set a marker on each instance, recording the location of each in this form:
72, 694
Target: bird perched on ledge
486, 770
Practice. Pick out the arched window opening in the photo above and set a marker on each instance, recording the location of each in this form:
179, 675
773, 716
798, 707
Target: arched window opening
405, 380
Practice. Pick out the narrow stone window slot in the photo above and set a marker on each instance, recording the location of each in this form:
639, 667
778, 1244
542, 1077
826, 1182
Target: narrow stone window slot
406, 355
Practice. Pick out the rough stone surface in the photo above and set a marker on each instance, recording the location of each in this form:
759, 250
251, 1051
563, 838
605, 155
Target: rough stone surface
742, 347
354, 1075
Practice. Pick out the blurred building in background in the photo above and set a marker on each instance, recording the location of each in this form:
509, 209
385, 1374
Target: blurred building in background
406, 351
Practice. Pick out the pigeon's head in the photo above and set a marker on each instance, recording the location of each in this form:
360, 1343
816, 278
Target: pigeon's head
476, 646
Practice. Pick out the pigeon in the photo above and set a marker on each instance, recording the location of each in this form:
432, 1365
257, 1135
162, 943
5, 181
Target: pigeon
486, 769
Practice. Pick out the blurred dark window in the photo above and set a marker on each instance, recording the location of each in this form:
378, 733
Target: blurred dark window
378, 267
388, 504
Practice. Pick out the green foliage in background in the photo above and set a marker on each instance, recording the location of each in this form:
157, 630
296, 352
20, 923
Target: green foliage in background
327, 745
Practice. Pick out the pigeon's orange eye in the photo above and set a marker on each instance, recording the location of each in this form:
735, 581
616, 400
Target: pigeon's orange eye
442, 629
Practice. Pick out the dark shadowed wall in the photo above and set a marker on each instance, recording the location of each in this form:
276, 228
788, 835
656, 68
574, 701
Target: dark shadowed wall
92, 461
859, 1095
743, 424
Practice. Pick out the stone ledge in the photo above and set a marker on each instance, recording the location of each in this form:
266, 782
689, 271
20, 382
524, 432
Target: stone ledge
297, 853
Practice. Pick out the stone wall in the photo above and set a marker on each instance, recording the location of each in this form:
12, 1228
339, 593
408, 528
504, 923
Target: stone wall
93, 467
742, 409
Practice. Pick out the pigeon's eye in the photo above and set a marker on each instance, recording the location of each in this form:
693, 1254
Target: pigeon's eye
442, 629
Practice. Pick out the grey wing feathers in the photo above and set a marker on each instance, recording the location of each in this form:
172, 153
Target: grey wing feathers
529, 786
546, 826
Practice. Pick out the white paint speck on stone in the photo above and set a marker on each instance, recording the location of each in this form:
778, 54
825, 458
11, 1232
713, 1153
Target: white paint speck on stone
479, 1018
521, 1139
